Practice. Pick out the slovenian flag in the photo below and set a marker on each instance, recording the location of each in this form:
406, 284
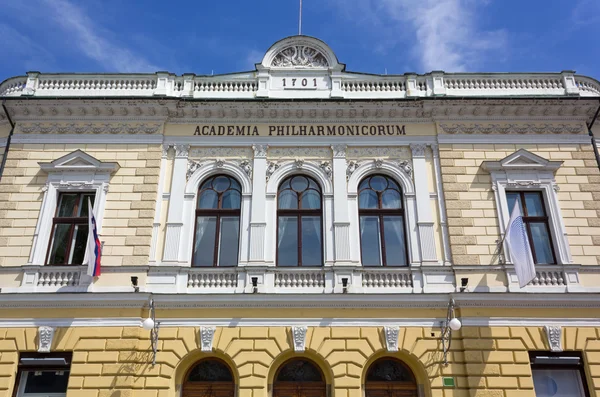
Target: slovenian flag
93, 245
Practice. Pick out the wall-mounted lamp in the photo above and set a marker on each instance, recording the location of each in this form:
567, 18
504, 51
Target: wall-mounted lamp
150, 324
450, 324
254, 285
464, 282
134, 284
344, 285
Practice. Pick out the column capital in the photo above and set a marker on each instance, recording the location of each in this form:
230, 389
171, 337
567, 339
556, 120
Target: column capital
182, 151
260, 151
339, 151
418, 149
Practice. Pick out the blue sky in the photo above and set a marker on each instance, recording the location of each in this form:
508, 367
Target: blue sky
372, 36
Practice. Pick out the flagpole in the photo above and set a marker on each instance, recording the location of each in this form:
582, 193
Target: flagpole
300, 20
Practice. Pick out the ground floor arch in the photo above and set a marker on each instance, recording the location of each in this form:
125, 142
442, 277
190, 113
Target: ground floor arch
390, 377
299, 377
209, 377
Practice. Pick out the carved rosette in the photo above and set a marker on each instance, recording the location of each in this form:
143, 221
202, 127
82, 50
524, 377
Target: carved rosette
299, 336
206, 338
45, 337
300, 56
391, 337
378, 163
299, 163
554, 335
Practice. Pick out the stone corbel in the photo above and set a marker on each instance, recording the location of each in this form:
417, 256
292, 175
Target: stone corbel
554, 335
299, 336
45, 337
207, 335
391, 337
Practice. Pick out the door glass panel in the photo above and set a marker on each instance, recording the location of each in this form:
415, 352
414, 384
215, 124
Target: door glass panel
204, 246
395, 249
541, 242
46, 382
58, 252
370, 241
79, 243
228, 245
557, 383
287, 246
534, 204
311, 241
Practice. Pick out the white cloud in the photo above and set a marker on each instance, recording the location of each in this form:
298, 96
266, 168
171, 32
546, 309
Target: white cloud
93, 40
445, 33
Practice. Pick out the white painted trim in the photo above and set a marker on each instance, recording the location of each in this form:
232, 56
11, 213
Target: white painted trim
441, 201
510, 138
83, 139
289, 322
158, 205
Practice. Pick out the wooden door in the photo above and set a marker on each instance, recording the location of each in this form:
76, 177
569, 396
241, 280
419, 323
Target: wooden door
208, 389
390, 389
299, 389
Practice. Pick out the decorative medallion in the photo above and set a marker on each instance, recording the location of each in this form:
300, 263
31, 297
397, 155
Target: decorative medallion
300, 56
45, 336
391, 337
206, 338
299, 335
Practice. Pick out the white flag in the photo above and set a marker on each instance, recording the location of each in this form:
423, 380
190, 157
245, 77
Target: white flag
519, 248
94, 249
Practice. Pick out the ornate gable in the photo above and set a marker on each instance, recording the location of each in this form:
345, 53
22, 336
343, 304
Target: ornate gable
522, 160
79, 161
299, 56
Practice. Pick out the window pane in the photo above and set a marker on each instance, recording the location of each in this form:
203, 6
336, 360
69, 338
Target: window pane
369, 241
235, 184
209, 199
378, 183
66, 205
541, 242
534, 204
390, 199
557, 383
221, 183
311, 241
84, 205
46, 381
511, 198
364, 184
231, 200
287, 241
299, 183
228, 244
204, 245
78, 244
395, 245
288, 199
58, 252
367, 200
311, 199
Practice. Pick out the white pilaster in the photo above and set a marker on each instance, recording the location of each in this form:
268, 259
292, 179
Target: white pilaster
424, 215
258, 219
441, 205
175, 214
341, 218
158, 205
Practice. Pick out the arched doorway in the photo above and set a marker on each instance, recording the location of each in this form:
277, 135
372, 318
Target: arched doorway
389, 377
299, 378
209, 378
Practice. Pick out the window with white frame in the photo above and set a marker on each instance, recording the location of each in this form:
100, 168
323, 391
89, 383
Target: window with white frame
61, 231
43, 375
528, 180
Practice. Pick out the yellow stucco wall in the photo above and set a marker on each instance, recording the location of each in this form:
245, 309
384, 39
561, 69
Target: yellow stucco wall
471, 205
115, 361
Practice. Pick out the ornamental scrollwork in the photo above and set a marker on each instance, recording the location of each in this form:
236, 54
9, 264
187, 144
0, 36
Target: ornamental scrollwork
327, 169
554, 335
391, 338
299, 336
192, 167
300, 56
352, 166
512, 128
91, 128
271, 168
405, 166
45, 336
206, 338
246, 166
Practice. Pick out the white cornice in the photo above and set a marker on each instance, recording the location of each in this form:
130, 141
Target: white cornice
525, 139
84, 139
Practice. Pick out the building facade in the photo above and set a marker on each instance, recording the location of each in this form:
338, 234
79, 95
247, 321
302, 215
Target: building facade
299, 231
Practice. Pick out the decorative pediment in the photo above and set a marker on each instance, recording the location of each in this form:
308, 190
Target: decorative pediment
522, 160
79, 161
299, 56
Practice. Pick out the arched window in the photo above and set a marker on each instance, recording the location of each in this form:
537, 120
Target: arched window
299, 214
209, 378
299, 378
382, 237
217, 232
389, 377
